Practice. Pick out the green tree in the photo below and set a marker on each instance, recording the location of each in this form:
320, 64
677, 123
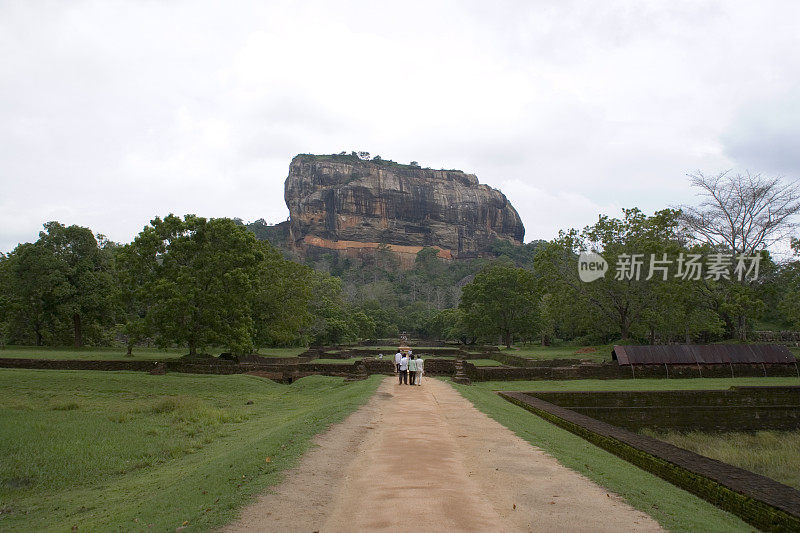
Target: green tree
790, 283
627, 305
132, 273
502, 300
61, 286
331, 323
86, 296
741, 214
449, 324
384, 314
6, 289
280, 299
32, 285
365, 326
547, 318
197, 281
522, 255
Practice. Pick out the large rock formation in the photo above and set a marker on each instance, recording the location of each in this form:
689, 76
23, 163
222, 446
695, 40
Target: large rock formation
343, 203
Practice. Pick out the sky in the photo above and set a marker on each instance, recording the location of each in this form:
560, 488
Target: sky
113, 112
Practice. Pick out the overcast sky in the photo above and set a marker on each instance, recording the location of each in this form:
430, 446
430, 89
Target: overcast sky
112, 112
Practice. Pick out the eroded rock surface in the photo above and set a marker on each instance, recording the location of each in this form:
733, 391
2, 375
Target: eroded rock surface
345, 204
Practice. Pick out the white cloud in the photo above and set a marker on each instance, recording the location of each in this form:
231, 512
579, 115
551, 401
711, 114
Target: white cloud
112, 113
544, 212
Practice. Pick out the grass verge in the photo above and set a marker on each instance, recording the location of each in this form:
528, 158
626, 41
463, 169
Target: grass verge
91, 353
674, 508
484, 362
325, 361
590, 353
129, 451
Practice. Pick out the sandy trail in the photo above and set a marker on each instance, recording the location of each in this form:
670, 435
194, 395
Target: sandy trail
424, 459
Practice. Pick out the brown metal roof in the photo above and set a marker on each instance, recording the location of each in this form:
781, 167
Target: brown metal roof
703, 354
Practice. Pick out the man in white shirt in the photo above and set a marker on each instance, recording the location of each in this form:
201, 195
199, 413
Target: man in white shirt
404, 370
420, 370
397, 358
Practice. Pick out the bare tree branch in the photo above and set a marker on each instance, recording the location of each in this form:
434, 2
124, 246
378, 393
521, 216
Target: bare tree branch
742, 212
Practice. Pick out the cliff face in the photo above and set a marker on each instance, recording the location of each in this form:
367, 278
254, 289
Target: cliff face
342, 203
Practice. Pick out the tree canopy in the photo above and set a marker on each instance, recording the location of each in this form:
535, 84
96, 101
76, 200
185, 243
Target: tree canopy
59, 287
202, 282
501, 300
639, 298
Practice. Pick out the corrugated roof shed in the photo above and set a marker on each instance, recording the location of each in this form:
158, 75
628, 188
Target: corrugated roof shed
703, 354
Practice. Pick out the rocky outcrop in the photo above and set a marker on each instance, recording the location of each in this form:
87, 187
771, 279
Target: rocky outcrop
346, 204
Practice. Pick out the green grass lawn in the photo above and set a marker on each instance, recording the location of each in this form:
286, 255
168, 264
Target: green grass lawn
774, 454
349, 361
600, 353
675, 509
104, 353
89, 353
484, 362
280, 352
121, 451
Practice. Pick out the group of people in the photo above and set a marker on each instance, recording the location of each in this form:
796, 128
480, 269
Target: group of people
409, 368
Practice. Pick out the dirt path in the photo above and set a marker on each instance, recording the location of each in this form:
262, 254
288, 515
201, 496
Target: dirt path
424, 459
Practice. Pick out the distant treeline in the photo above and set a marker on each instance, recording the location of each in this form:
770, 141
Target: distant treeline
219, 283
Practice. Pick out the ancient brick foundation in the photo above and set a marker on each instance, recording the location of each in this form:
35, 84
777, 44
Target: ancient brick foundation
760, 501
736, 409
614, 371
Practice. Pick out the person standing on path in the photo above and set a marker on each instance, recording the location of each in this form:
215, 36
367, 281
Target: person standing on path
412, 369
420, 370
404, 370
397, 358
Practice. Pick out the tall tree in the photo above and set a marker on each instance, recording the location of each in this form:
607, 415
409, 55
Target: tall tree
64, 277
280, 298
502, 300
790, 283
331, 324
744, 213
741, 215
196, 280
33, 283
449, 325
6, 289
86, 262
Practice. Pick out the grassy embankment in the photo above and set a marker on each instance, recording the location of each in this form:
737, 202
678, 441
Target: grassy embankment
774, 454
675, 509
105, 354
121, 451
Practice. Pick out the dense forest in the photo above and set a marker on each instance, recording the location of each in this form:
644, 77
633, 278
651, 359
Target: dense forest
678, 275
